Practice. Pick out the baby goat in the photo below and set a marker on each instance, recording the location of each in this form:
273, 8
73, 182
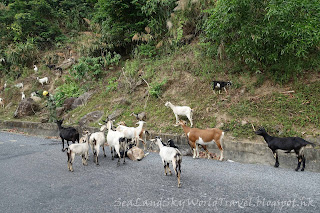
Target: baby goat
35, 68
96, 140
219, 85
180, 110
43, 80
169, 155
142, 116
79, 149
203, 137
170, 143
290, 143
67, 133
23, 96
19, 85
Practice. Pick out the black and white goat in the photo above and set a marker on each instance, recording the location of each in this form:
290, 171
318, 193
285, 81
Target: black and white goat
288, 144
169, 154
170, 143
219, 85
67, 133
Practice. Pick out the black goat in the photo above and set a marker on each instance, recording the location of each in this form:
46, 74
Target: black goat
290, 143
67, 133
219, 85
171, 144
51, 66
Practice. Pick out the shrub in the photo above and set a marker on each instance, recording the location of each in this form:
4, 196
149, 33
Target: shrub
156, 89
274, 36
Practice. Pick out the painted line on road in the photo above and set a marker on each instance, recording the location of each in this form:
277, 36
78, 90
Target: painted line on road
1, 142
13, 141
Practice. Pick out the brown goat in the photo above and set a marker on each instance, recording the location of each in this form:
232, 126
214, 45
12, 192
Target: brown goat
203, 137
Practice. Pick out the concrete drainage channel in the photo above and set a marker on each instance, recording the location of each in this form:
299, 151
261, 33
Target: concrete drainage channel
253, 153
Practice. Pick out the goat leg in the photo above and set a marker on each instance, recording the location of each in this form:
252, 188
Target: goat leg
165, 167
275, 154
170, 173
299, 162
104, 153
303, 163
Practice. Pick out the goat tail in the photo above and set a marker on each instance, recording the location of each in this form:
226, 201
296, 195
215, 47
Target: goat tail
312, 144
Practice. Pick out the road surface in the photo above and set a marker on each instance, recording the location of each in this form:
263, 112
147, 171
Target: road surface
34, 178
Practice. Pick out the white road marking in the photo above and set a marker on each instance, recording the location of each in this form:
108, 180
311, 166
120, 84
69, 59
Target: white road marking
13, 140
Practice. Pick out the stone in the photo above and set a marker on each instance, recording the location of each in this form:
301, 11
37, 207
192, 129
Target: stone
67, 104
81, 100
26, 107
90, 117
60, 111
115, 114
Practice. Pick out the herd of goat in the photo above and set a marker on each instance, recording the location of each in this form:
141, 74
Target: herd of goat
122, 138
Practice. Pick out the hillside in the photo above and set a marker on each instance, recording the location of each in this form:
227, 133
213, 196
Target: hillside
184, 78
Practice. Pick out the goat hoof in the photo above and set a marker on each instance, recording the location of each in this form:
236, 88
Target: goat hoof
276, 165
302, 169
297, 169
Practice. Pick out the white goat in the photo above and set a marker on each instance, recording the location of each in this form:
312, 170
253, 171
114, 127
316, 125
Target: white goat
19, 85
2, 102
181, 110
96, 140
169, 155
133, 133
35, 68
43, 80
113, 139
79, 149
23, 96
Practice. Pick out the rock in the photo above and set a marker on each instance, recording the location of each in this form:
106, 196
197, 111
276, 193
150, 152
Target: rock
115, 114
67, 104
122, 101
36, 99
60, 111
81, 100
90, 117
186, 152
26, 107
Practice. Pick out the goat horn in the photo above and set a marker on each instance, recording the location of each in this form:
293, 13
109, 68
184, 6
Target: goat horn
254, 129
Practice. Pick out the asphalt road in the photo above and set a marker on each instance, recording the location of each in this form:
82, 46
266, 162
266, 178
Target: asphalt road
34, 178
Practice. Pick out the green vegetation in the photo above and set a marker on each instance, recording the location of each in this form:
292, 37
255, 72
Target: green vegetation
150, 51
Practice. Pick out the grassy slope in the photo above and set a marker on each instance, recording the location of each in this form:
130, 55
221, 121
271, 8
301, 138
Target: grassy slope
252, 100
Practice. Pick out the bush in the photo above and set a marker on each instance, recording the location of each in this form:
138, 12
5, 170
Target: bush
156, 89
70, 89
88, 68
274, 36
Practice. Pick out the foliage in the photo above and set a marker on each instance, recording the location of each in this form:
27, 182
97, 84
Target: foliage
69, 89
112, 58
119, 20
156, 89
273, 36
146, 50
88, 68
112, 84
